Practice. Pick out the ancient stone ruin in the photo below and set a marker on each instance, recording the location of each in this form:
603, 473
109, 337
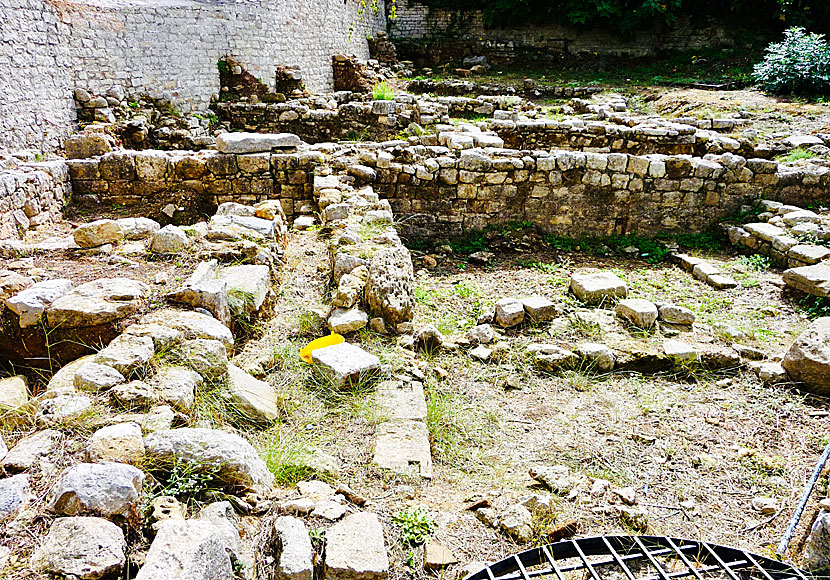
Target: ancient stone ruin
547, 310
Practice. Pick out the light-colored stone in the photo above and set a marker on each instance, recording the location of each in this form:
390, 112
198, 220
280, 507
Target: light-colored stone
248, 285
121, 443
102, 489
169, 240
292, 550
674, 314
15, 495
403, 447
255, 142
99, 302
98, 233
14, 392
817, 546
193, 325
206, 450
31, 303
329, 510
509, 312
94, 376
138, 228
772, 373
203, 289
390, 290
30, 450
163, 337
88, 548
680, 352
808, 360
557, 478
345, 363
177, 386
598, 287
134, 394
539, 309
517, 522
254, 398
61, 408
344, 321
641, 313
355, 549
209, 358
551, 357
813, 279
598, 357
349, 290
437, 556
126, 354
187, 550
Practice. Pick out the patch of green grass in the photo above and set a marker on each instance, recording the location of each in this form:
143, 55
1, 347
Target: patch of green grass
796, 155
470, 242
415, 525
382, 92
286, 453
756, 262
455, 426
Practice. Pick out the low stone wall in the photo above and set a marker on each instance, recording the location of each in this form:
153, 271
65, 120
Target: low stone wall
195, 183
579, 135
31, 195
574, 193
528, 87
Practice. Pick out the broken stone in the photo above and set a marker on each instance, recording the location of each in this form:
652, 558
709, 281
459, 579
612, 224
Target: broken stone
329, 510
355, 549
14, 392
344, 321
539, 309
177, 386
557, 478
808, 360
598, 357
641, 313
429, 339
680, 352
292, 549
126, 354
207, 357
772, 373
390, 288
98, 233
105, 489
517, 522
345, 363
193, 325
88, 548
169, 240
135, 394
813, 279
98, 302
226, 455
481, 353
30, 450
242, 143
254, 398
509, 312
551, 357
97, 377
195, 549
30, 304
61, 408
203, 289
598, 287
122, 443
15, 495
436, 556
674, 314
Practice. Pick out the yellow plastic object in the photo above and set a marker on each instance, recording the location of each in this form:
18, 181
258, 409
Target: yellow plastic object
329, 340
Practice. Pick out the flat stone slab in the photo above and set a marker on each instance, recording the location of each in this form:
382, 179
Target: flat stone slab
254, 398
808, 253
764, 231
399, 400
99, 302
253, 281
355, 549
598, 287
86, 548
813, 279
403, 447
294, 554
32, 302
539, 308
187, 550
641, 313
255, 142
345, 363
192, 325
721, 282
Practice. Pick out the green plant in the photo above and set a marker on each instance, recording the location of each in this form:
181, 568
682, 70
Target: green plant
470, 242
382, 92
287, 454
415, 524
186, 480
798, 64
133, 104
815, 306
756, 262
796, 155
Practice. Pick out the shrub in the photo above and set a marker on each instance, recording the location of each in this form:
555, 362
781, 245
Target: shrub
382, 92
798, 64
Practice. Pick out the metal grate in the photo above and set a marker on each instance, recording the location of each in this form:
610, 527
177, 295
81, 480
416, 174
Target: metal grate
637, 558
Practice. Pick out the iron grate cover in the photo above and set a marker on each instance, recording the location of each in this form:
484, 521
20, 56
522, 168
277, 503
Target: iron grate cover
637, 558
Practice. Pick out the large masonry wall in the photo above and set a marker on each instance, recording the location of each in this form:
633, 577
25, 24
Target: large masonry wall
161, 48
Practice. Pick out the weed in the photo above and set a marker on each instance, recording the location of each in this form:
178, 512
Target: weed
382, 92
287, 455
796, 155
814, 306
415, 524
185, 480
470, 242
453, 425
756, 262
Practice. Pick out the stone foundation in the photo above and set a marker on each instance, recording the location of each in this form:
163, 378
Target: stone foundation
31, 195
195, 182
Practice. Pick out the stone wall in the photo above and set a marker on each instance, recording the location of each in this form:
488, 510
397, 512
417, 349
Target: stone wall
195, 183
574, 193
433, 35
31, 195
167, 48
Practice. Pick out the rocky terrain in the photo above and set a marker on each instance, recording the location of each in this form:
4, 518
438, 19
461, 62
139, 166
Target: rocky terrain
542, 339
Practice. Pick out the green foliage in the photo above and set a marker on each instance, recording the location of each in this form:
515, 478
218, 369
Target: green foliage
223, 68
382, 92
800, 64
470, 242
796, 155
756, 262
415, 524
185, 480
815, 306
